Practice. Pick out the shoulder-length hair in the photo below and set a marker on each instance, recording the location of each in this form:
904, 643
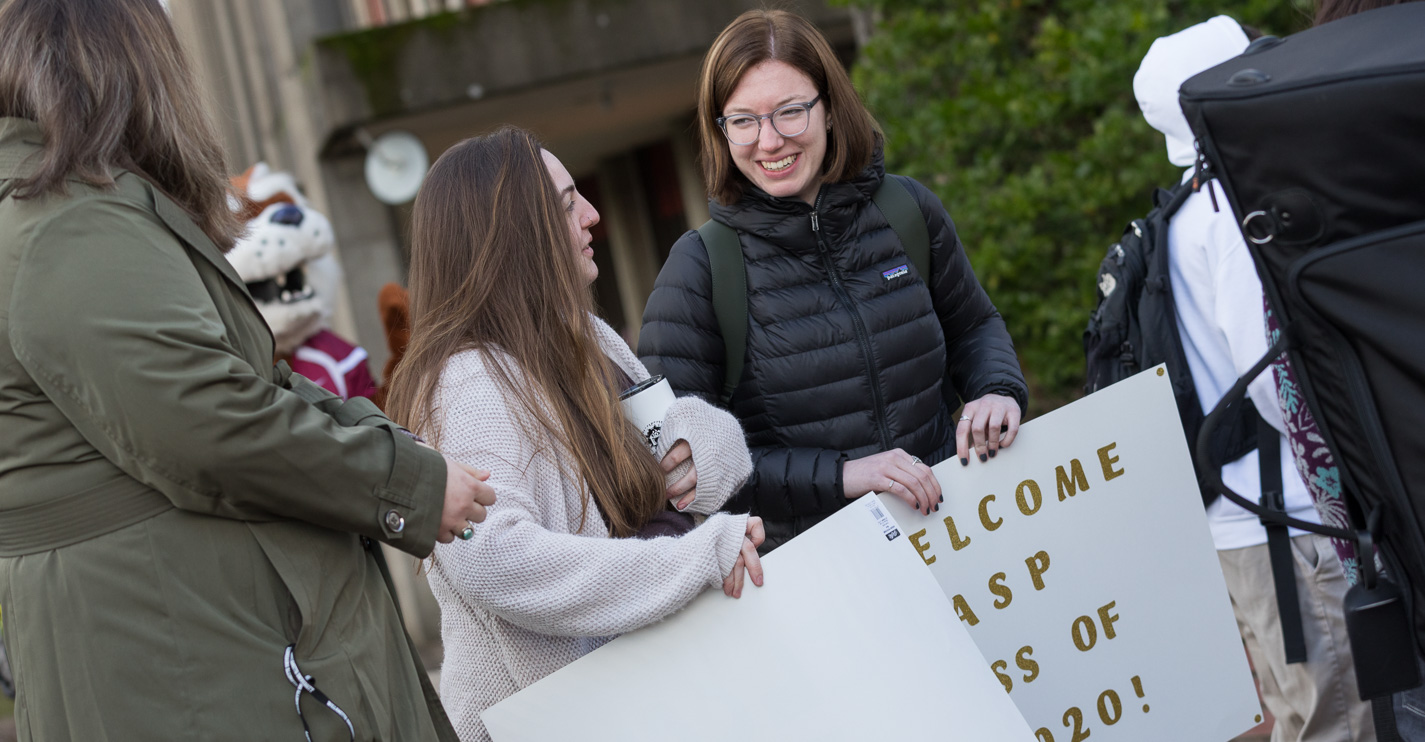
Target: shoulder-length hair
758, 36
109, 87
494, 269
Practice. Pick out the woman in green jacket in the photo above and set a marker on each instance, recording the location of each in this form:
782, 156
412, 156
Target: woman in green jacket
187, 534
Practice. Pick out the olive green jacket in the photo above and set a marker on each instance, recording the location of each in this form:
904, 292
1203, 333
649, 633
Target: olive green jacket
174, 510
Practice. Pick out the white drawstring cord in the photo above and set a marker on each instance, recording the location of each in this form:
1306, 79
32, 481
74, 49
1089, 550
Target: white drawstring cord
307, 684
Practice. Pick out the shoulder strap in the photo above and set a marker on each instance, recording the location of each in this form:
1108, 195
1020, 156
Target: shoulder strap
900, 209
1211, 466
729, 295
1279, 542
1169, 200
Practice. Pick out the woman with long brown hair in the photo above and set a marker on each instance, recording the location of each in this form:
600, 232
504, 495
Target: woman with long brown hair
508, 368
186, 531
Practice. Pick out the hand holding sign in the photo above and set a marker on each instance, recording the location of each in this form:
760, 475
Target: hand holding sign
895, 473
748, 562
987, 424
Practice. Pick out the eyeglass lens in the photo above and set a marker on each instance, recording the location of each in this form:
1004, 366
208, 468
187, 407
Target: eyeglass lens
789, 121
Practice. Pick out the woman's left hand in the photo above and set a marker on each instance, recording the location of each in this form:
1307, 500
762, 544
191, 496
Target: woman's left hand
748, 563
986, 424
683, 491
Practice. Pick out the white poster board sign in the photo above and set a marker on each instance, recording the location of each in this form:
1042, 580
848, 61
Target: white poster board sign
1080, 561
849, 639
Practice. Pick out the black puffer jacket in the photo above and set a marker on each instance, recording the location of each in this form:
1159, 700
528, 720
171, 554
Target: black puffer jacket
842, 362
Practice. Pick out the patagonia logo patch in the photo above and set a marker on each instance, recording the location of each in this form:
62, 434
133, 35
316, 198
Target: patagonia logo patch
896, 272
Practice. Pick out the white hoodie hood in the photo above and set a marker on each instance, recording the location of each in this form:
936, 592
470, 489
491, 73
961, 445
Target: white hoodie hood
1169, 63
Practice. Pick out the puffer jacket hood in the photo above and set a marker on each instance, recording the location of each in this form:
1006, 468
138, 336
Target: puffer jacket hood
786, 221
1169, 63
848, 354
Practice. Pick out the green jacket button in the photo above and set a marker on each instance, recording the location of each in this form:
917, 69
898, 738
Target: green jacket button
394, 522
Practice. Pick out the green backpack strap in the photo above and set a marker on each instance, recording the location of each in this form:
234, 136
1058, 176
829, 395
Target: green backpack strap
900, 209
729, 295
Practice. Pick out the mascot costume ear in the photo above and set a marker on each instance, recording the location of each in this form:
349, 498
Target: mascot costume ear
395, 306
285, 258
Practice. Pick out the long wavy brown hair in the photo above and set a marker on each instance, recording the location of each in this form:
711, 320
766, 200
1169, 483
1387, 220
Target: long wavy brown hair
494, 269
110, 88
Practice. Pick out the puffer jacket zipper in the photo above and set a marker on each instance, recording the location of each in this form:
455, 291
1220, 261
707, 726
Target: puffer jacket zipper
877, 396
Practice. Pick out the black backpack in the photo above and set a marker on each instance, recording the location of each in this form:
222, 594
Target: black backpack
1318, 141
1134, 327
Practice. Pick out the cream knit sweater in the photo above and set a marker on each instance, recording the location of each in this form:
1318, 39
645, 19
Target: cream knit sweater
532, 592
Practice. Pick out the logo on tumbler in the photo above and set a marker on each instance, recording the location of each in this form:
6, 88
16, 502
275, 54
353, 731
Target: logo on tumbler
652, 433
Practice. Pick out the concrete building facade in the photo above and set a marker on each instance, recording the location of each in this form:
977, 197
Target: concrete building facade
607, 85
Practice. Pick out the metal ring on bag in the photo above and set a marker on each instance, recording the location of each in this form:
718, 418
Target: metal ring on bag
1248, 235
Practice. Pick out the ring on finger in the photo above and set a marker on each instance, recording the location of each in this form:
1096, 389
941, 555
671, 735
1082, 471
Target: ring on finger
914, 460
964, 418
469, 531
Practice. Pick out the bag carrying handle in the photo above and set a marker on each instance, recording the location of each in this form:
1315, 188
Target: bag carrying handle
1212, 470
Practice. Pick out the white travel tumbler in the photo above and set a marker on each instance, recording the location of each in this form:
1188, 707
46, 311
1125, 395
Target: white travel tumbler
645, 404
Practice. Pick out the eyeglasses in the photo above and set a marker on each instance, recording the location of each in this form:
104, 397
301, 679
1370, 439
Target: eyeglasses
789, 121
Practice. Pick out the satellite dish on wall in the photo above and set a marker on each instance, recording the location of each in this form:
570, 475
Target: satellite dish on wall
396, 163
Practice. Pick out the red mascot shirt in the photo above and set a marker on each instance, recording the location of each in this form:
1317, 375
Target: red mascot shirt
334, 364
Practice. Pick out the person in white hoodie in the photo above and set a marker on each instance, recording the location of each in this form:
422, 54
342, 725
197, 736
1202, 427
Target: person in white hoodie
1219, 308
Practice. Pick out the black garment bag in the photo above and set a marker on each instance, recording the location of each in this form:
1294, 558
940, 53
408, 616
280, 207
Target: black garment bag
1318, 140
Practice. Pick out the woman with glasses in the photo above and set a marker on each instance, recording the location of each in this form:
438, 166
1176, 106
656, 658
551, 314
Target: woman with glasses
855, 359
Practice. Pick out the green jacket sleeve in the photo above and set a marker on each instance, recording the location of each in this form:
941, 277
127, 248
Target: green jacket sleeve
117, 322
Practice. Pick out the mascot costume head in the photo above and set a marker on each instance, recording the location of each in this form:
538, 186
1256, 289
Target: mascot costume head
285, 259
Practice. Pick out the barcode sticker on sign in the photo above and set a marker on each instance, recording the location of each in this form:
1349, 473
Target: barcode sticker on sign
888, 526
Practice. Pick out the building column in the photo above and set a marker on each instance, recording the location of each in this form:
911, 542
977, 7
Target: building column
246, 56
367, 247
690, 177
627, 217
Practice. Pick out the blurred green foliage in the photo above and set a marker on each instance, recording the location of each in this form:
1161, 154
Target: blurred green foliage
1020, 115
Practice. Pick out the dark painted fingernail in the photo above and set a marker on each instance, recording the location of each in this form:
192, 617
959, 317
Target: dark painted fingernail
942, 498
984, 457
992, 453
964, 461
937, 508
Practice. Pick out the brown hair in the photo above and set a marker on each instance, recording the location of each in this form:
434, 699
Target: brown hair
494, 269
108, 85
758, 36
1333, 10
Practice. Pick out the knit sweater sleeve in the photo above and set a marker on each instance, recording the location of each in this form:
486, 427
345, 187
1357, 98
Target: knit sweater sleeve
718, 447
530, 563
